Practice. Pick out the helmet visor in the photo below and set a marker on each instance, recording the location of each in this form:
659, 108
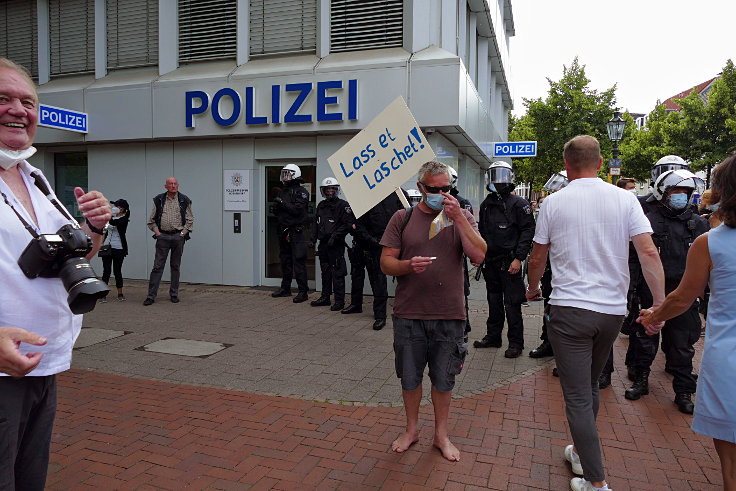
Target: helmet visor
556, 182
681, 179
329, 191
286, 175
501, 175
661, 169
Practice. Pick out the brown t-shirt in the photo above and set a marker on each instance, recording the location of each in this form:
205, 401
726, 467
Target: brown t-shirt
438, 292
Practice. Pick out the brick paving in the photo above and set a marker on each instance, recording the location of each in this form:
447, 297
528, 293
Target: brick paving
200, 430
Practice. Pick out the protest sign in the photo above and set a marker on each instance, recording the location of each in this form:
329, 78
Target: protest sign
386, 153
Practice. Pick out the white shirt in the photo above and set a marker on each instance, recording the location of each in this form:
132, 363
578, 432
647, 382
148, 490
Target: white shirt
38, 305
588, 225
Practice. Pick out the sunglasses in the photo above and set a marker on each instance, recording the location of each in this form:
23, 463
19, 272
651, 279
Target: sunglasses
435, 190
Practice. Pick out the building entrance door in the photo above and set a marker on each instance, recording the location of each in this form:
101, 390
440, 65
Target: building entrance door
272, 266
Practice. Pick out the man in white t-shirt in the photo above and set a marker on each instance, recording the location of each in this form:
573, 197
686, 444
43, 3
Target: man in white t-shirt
28, 380
586, 228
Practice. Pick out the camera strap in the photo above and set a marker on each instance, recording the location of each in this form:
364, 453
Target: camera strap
41, 185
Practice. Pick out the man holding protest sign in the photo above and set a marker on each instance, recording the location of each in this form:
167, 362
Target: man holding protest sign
429, 308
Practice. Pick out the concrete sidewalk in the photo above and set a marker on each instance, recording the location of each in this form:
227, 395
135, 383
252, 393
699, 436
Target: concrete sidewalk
298, 397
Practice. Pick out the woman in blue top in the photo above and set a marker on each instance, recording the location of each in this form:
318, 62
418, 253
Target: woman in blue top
712, 262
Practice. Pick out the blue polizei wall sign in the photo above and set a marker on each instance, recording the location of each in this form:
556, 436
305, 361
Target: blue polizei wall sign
325, 105
62, 119
515, 149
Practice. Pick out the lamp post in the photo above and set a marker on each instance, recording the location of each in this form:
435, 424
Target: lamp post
615, 127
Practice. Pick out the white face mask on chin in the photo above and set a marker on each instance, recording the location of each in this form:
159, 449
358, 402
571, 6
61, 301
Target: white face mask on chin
10, 158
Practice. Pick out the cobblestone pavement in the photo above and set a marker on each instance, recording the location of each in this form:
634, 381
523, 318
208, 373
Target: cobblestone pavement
301, 398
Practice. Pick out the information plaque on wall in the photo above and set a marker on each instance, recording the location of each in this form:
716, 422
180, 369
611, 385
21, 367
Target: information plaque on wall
236, 190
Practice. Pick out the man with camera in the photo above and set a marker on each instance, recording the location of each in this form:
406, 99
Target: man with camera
46, 279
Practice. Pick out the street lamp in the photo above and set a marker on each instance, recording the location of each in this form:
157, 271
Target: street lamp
615, 127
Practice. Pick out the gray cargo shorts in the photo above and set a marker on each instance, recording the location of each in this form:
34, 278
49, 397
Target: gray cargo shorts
439, 343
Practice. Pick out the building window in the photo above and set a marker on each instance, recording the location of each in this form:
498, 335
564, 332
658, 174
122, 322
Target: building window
72, 36
283, 26
132, 33
207, 29
18, 33
368, 24
70, 171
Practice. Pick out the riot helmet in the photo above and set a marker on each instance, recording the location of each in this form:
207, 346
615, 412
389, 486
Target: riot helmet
415, 197
500, 178
329, 188
290, 172
667, 163
674, 179
453, 177
557, 181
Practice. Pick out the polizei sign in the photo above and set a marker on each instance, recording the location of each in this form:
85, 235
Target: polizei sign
62, 119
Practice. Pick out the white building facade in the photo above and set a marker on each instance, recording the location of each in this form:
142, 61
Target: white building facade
207, 89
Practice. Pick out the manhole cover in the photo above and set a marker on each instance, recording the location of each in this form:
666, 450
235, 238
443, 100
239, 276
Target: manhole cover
92, 335
184, 347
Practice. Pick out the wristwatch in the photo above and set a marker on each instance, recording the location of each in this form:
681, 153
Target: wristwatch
94, 229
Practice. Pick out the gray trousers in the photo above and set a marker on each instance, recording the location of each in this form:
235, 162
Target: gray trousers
164, 244
27, 411
582, 340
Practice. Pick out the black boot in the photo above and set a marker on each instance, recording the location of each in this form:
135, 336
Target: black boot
486, 343
281, 292
337, 306
684, 403
352, 309
322, 301
604, 380
303, 297
542, 351
640, 387
631, 373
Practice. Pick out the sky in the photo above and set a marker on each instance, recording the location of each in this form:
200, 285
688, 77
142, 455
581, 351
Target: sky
652, 49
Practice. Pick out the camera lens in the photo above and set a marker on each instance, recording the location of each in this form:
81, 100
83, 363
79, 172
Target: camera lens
81, 284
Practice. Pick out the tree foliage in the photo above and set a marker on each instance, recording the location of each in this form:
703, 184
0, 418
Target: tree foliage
571, 108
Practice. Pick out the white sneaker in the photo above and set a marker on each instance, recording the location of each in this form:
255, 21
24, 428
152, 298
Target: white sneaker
574, 459
580, 484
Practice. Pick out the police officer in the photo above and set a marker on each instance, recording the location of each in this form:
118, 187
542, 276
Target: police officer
464, 203
366, 254
507, 225
414, 196
557, 181
675, 226
333, 221
290, 208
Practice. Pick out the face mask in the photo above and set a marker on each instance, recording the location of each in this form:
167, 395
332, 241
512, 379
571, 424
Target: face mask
10, 158
678, 201
713, 207
115, 210
492, 188
434, 201
504, 188
633, 191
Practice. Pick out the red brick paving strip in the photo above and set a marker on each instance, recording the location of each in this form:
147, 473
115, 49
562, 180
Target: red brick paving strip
123, 433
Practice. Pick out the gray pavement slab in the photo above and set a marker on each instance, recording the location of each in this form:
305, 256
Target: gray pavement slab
273, 346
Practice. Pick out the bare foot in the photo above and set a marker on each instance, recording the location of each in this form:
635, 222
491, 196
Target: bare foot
449, 451
404, 441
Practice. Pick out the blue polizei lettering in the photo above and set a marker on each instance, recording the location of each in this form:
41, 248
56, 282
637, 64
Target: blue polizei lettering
275, 103
323, 100
216, 107
352, 99
250, 117
191, 110
291, 115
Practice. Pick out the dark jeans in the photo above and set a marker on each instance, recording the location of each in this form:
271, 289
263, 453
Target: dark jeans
360, 260
679, 334
505, 293
582, 340
115, 259
333, 268
27, 410
293, 255
164, 244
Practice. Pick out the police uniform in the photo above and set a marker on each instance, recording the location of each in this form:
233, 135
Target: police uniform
507, 226
672, 235
291, 214
333, 221
465, 203
366, 254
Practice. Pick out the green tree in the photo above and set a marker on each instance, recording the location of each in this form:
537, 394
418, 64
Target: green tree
640, 148
571, 108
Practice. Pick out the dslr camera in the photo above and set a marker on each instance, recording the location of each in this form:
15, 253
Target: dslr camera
62, 255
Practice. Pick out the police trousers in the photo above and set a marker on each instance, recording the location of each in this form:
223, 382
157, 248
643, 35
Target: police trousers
505, 294
360, 260
333, 268
293, 256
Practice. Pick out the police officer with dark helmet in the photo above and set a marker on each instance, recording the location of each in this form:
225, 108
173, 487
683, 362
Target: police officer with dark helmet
366, 254
290, 208
464, 203
675, 226
333, 221
507, 225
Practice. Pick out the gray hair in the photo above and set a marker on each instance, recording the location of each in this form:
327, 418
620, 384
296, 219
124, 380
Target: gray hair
20, 70
432, 168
